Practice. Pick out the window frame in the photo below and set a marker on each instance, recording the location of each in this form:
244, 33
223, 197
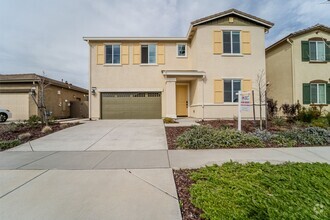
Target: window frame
105, 53
177, 50
318, 93
156, 61
232, 89
231, 42
316, 50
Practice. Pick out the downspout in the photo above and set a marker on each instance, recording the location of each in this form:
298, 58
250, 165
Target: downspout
293, 71
90, 83
203, 96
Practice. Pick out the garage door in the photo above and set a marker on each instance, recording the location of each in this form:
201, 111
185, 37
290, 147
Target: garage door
131, 105
17, 103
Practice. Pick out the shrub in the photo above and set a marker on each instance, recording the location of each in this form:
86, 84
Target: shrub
279, 121
169, 120
309, 136
46, 130
33, 120
282, 141
307, 115
320, 122
52, 120
272, 108
24, 136
327, 116
206, 137
290, 111
63, 126
263, 135
4, 145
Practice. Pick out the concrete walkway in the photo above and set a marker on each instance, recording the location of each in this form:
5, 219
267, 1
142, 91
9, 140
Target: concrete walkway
155, 159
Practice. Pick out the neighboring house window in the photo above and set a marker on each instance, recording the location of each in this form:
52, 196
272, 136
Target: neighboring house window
112, 54
148, 54
231, 87
182, 50
231, 42
318, 93
317, 50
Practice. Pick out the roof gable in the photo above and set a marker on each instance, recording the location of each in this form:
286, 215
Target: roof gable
236, 13
317, 27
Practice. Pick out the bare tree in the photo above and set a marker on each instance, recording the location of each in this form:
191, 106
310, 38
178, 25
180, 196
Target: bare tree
262, 86
39, 99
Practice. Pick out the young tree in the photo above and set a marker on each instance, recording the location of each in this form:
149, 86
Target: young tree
39, 99
262, 86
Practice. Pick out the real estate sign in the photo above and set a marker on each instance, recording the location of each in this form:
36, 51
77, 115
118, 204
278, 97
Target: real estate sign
245, 102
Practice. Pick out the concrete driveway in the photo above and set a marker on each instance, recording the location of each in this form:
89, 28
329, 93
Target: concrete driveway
103, 135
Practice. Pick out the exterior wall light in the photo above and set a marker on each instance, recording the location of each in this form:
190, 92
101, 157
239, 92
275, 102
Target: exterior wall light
93, 90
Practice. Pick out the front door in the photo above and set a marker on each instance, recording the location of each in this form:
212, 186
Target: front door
182, 100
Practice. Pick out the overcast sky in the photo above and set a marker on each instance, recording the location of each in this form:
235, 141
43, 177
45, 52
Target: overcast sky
46, 35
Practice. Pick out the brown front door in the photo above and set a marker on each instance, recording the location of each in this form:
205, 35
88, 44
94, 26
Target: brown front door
182, 100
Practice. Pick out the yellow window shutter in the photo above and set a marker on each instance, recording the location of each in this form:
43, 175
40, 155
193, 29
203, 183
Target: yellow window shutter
217, 42
160, 53
100, 54
246, 85
136, 53
246, 42
124, 54
218, 91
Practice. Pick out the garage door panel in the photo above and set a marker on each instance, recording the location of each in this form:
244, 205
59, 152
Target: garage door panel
17, 103
131, 105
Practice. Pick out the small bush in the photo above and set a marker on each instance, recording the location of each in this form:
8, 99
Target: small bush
169, 120
52, 120
63, 126
309, 114
24, 136
272, 108
320, 122
309, 136
278, 121
327, 116
4, 145
290, 111
46, 130
282, 141
206, 137
263, 135
33, 120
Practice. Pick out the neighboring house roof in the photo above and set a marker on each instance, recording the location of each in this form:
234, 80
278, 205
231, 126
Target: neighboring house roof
316, 27
191, 31
32, 77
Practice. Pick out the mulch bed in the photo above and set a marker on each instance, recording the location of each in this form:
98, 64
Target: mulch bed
171, 135
10, 132
183, 182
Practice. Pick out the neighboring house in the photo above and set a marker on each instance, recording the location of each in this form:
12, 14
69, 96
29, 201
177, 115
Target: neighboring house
15, 95
196, 76
298, 68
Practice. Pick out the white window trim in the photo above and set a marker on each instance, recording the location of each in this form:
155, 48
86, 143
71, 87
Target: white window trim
318, 93
231, 43
105, 55
177, 50
232, 89
149, 64
317, 51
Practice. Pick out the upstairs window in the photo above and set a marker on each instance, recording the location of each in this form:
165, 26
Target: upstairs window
112, 54
148, 54
231, 42
181, 50
231, 87
317, 50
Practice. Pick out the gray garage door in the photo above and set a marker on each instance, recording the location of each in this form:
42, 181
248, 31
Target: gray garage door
131, 105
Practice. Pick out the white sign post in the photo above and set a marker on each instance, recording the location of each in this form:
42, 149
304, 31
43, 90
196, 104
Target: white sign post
243, 105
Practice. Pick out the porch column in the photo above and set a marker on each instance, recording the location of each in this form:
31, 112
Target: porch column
170, 89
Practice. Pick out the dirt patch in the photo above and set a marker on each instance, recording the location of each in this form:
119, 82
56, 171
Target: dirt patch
183, 182
172, 133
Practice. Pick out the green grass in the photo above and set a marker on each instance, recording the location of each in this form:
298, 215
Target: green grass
262, 191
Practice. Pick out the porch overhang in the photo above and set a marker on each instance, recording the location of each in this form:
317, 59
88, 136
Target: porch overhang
194, 73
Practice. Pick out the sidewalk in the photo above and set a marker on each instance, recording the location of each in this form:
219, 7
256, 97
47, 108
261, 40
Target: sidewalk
152, 159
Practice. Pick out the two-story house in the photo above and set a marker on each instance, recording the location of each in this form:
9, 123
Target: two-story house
197, 76
298, 68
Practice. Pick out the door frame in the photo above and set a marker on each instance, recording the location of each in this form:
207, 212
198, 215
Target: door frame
188, 88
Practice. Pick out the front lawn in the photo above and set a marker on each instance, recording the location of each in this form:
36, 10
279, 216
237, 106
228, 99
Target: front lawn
255, 191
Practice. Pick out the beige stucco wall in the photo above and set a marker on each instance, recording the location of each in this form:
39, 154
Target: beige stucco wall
286, 85
279, 74
200, 57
